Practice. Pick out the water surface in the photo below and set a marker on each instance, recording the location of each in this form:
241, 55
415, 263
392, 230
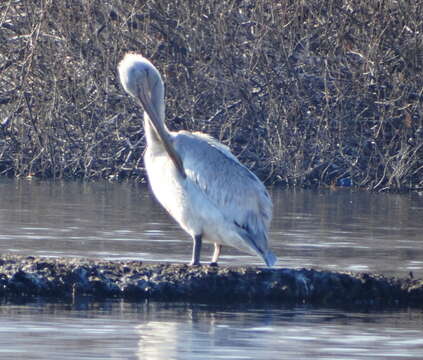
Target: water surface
348, 230
156, 331
340, 230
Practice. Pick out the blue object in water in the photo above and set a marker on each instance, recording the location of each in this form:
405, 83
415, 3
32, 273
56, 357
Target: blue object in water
345, 182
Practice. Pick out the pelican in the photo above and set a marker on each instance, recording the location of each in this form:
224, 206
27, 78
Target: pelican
201, 184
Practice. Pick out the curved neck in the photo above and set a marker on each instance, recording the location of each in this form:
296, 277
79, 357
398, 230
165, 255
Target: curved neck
158, 136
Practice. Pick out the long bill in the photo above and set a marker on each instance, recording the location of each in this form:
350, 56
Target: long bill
160, 130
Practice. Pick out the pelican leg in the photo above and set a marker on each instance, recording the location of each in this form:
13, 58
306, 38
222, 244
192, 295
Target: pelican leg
216, 254
196, 250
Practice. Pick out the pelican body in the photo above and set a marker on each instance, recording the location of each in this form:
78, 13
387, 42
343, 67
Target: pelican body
202, 185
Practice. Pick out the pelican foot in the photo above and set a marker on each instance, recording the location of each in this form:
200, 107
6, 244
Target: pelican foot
192, 263
214, 264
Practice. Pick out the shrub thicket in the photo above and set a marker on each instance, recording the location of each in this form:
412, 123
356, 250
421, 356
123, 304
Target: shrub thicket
304, 92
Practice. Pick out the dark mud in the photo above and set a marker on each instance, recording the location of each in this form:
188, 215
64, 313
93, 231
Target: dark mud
68, 278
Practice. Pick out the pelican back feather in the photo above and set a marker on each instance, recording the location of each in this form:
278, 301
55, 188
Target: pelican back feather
235, 190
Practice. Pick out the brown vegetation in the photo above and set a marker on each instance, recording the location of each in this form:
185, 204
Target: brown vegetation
304, 92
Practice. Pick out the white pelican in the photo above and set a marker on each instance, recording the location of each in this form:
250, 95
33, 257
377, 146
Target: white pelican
202, 185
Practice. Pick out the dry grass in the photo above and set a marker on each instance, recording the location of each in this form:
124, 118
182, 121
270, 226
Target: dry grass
305, 92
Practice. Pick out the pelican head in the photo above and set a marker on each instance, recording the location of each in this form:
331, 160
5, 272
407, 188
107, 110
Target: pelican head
134, 70
141, 80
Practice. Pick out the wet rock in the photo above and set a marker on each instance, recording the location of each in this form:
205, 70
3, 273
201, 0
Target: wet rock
67, 278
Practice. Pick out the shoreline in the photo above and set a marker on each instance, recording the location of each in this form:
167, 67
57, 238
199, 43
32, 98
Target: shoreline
23, 277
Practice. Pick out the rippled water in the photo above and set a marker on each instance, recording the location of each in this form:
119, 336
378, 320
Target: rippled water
342, 230
156, 331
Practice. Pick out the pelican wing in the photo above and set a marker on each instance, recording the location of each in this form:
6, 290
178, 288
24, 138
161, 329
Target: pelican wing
235, 190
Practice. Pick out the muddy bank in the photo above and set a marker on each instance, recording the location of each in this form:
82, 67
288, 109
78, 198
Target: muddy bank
67, 278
